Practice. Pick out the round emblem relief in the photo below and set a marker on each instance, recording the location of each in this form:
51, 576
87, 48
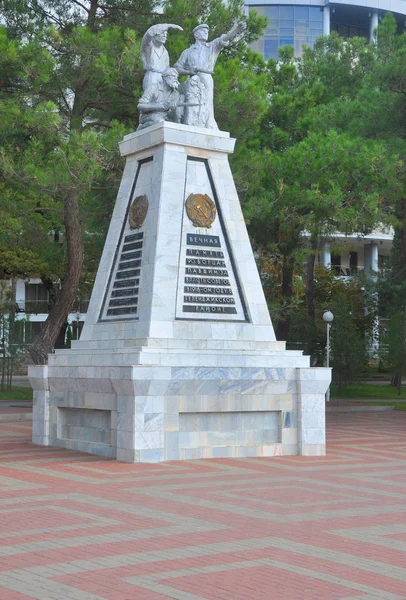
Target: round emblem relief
138, 212
201, 210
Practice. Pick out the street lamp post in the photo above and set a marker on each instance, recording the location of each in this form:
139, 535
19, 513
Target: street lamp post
328, 319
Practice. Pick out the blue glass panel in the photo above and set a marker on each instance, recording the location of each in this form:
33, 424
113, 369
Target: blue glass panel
272, 12
315, 14
302, 12
316, 31
286, 31
301, 31
286, 41
270, 48
286, 23
286, 12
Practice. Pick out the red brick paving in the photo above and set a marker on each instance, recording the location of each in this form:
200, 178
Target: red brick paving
76, 527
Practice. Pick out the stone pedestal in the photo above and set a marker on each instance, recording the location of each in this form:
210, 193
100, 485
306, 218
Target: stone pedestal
178, 357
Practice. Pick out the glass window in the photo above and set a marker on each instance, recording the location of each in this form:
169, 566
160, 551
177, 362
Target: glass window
270, 48
316, 31
343, 30
287, 31
302, 12
286, 12
354, 31
315, 14
272, 12
286, 41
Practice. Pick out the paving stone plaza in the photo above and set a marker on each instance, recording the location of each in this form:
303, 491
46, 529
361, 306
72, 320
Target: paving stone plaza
80, 527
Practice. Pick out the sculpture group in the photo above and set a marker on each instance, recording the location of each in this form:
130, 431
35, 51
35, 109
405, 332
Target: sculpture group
164, 98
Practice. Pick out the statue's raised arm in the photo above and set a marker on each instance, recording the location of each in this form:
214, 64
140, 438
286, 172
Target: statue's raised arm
154, 55
200, 60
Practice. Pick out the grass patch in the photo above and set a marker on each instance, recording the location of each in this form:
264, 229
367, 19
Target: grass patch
368, 390
16, 394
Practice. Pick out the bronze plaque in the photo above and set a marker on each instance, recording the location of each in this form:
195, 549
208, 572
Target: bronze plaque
138, 212
201, 210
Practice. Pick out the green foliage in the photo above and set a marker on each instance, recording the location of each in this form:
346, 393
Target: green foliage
69, 337
12, 345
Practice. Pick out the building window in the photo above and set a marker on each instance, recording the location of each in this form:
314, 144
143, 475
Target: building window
36, 298
288, 25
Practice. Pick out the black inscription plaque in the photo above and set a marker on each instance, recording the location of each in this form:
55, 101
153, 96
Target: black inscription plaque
209, 299
121, 311
200, 298
204, 253
189, 289
133, 237
194, 239
123, 301
132, 246
205, 262
132, 264
229, 310
126, 283
131, 255
206, 281
125, 274
124, 296
211, 272
122, 293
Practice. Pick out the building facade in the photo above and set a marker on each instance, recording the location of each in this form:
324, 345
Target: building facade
300, 22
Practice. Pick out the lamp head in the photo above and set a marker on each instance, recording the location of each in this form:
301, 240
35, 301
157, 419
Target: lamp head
328, 316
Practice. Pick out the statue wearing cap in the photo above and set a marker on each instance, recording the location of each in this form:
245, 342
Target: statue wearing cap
154, 55
160, 100
199, 60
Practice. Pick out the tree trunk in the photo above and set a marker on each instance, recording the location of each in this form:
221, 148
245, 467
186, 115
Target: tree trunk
311, 313
44, 342
282, 329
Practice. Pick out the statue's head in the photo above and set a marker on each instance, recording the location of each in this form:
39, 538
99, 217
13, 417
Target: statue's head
160, 37
170, 76
201, 32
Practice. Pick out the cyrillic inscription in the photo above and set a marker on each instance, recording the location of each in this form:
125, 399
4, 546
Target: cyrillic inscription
133, 237
124, 301
229, 310
209, 300
121, 311
210, 272
125, 274
189, 289
194, 239
205, 262
204, 253
132, 264
121, 293
206, 281
127, 283
133, 246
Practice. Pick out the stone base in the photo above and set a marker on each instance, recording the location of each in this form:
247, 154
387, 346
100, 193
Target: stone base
153, 413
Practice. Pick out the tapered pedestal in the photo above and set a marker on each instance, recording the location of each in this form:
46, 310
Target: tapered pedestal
178, 357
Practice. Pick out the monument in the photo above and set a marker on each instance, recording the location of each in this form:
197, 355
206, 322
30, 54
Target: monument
178, 357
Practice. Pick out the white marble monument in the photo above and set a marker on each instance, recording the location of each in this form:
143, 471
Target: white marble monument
178, 358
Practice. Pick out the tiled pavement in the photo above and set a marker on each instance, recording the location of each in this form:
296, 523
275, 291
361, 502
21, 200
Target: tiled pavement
82, 528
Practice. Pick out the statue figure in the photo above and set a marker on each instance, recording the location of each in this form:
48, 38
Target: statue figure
200, 60
194, 92
159, 101
154, 55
